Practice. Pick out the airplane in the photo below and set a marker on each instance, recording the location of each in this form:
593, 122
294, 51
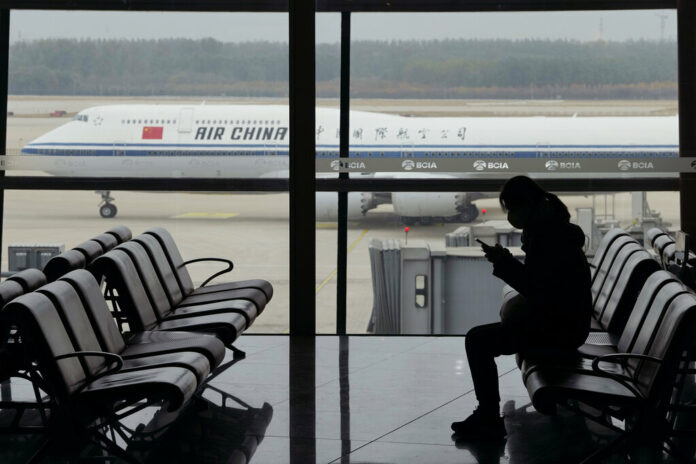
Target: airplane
251, 141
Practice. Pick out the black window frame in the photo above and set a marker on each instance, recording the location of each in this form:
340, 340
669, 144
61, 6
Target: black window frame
302, 182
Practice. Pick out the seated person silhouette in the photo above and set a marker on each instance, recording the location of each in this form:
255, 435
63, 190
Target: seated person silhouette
553, 309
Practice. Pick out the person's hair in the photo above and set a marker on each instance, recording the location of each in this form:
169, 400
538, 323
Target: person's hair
521, 190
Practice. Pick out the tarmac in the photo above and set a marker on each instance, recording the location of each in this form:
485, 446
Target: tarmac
252, 229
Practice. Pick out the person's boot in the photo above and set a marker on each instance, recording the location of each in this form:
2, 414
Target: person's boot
482, 424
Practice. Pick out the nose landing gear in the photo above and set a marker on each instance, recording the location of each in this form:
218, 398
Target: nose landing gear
106, 208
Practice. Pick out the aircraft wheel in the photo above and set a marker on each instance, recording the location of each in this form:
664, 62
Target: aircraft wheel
470, 213
108, 210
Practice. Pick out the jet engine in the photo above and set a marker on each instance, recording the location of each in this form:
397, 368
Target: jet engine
359, 203
426, 207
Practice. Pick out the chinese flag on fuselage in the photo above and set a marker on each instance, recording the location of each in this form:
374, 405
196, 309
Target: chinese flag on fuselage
153, 132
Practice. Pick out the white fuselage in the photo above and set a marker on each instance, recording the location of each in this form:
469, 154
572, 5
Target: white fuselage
251, 141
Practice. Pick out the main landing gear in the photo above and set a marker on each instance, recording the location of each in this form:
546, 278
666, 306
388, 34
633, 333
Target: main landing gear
106, 208
468, 213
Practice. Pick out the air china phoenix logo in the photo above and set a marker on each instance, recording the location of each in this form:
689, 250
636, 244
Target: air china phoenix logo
479, 165
551, 165
335, 165
408, 165
693, 165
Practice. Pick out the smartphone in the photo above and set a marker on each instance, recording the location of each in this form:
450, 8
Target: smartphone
484, 245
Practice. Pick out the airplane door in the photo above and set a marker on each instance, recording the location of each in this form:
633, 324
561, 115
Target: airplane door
119, 148
186, 120
407, 151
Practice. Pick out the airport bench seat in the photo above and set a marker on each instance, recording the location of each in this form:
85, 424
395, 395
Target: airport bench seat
651, 235
84, 383
121, 233
82, 255
659, 289
76, 320
166, 306
143, 344
142, 311
61, 264
636, 386
18, 284
160, 280
179, 286
183, 277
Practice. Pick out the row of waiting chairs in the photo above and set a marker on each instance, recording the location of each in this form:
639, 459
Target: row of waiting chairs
86, 374
664, 248
634, 364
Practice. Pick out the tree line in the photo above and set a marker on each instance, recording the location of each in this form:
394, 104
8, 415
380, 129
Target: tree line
397, 69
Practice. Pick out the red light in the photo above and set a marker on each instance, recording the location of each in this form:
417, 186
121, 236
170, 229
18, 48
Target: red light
483, 211
406, 229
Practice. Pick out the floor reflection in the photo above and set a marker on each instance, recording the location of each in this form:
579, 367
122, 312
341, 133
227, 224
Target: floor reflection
340, 400
226, 430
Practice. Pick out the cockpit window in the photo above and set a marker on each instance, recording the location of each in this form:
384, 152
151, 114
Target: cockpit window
81, 117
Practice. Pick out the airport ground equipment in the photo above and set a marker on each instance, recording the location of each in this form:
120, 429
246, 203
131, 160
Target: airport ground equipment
25, 256
385, 263
497, 231
422, 290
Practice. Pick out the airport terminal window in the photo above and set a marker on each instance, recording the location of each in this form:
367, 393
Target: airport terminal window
485, 106
511, 103
139, 119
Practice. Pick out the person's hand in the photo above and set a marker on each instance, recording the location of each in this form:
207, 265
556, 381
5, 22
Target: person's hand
496, 253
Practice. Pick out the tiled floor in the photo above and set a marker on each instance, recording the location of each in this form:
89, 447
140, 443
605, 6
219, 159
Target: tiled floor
353, 400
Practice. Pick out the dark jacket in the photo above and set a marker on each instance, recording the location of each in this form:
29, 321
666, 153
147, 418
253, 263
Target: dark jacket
554, 279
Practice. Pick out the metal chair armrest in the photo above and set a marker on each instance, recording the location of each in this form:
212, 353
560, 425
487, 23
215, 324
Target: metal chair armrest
618, 358
230, 266
113, 357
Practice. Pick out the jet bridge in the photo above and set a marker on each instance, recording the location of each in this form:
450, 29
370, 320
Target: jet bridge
421, 289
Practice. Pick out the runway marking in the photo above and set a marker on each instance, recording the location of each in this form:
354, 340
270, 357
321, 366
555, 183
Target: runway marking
202, 215
326, 225
335, 271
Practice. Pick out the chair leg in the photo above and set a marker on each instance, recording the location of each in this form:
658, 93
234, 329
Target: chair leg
40, 453
238, 354
620, 442
110, 446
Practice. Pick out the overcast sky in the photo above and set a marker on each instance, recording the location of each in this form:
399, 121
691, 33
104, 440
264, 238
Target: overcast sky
237, 27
